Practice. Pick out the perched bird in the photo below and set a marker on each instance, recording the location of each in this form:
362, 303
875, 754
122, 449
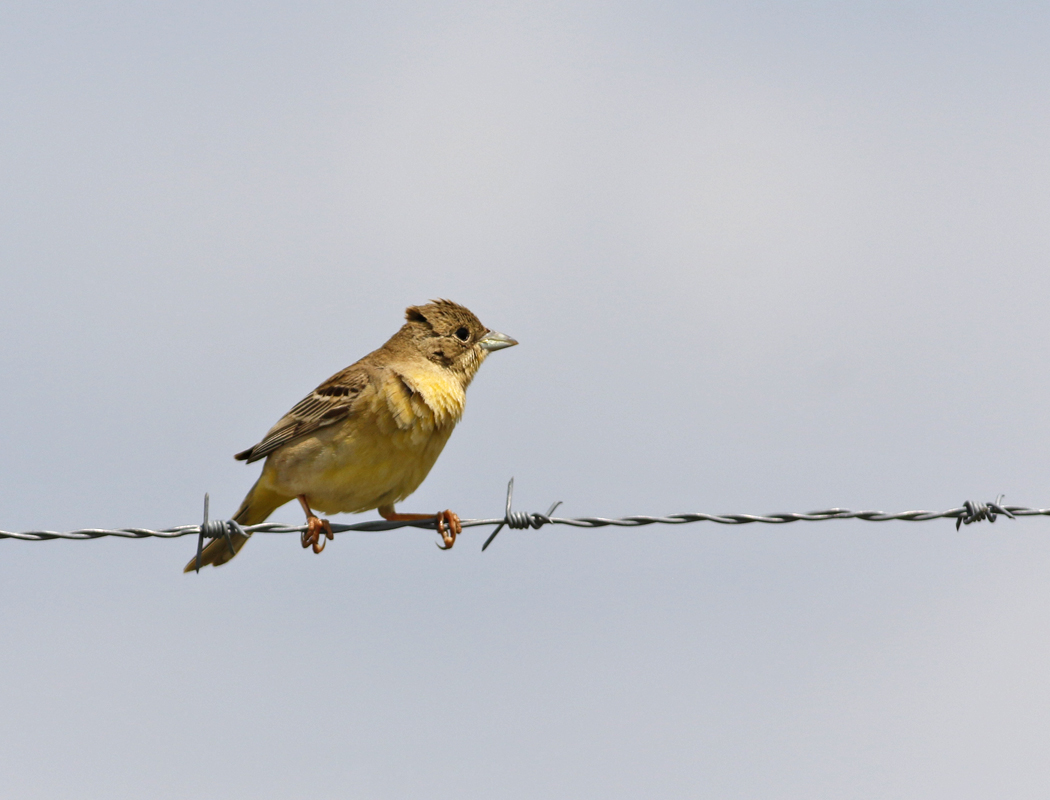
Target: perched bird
367, 437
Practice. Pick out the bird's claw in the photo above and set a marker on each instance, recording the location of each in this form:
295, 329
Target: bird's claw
318, 532
450, 519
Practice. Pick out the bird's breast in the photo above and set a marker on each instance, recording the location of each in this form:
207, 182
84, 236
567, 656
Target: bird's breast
425, 394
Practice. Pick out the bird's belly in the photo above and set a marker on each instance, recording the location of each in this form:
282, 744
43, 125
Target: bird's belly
340, 469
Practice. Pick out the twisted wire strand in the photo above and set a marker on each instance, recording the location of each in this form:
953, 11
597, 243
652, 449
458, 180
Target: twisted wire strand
966, 514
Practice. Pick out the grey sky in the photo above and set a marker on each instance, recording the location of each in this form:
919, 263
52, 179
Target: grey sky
760, 257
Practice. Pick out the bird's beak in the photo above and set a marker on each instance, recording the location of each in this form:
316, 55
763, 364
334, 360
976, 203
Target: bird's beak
496, 341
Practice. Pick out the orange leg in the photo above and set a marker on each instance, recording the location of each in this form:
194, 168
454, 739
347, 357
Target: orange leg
317, 530
443, 518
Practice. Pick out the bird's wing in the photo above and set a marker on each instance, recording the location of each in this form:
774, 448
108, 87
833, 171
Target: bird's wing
330, 402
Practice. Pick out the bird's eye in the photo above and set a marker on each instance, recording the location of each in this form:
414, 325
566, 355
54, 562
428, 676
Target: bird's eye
463, 334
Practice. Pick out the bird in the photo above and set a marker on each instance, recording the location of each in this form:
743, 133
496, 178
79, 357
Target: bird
367, 437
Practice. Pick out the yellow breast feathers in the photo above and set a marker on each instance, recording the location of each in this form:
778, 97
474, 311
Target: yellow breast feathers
426, 396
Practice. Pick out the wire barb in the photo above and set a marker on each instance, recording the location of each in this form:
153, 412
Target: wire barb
213, 529
519, 520
976, 512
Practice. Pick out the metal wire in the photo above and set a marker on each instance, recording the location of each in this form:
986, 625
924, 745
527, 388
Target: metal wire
969, 512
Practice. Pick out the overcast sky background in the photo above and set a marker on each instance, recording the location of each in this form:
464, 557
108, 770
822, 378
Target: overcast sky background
760, 257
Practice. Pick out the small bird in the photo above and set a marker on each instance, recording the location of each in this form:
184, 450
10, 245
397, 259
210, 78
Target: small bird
367, 437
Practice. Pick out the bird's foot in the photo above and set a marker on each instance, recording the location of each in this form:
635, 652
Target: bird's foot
318, 532
448, 524
450, 519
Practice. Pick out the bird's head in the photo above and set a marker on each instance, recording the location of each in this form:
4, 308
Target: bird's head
449, 335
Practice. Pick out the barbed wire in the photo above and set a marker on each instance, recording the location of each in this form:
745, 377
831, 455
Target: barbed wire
966, 514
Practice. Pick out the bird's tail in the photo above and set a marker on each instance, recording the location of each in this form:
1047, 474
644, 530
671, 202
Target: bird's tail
255, 508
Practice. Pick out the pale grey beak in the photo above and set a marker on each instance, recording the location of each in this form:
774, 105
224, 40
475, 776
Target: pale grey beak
496, 341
